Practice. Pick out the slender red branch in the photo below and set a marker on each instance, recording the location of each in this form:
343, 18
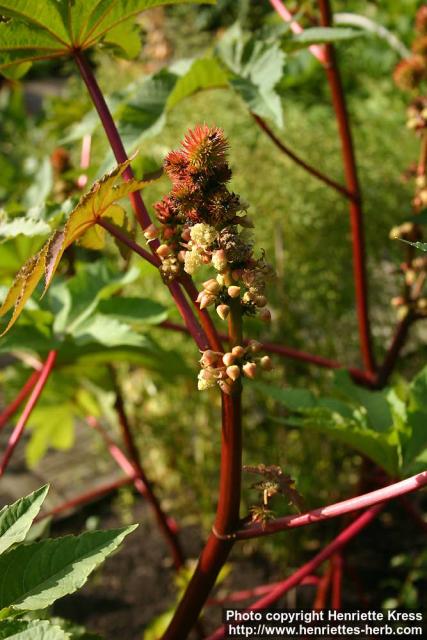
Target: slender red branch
166, 524
334, 510
122, 237
85, 498
31, 403
394, 349
337, 544
321, 599
352, 182
144, 487
11, 409
299, 161
317, 50
337, 571
288, 352
246, 594
204, 317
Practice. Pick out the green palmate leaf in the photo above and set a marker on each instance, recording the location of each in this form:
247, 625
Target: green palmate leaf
134, 310
16, 519
257, 67
106, 331
51, 426
204, 73
97, 204
27, 225
50, 28
33, 576
31, 630
124, 39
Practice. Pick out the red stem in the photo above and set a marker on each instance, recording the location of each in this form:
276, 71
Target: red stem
299, 161
246, 594
352, 182
320, 601
166, 524
334, 510
337, 544
337, 569
85, 498
144, 487
394, 349
15, 404
31, 403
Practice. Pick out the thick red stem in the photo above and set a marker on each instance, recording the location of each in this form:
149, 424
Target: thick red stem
299, 161
337, 544
122, 237
334, 510
31, 403
13, 407
337, 571
85, 498
352, 182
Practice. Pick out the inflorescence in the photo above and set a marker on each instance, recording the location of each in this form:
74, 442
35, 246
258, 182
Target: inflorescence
202, 222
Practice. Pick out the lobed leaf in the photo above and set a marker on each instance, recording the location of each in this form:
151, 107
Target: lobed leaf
31, 630
33, 576
99, 202
16, 519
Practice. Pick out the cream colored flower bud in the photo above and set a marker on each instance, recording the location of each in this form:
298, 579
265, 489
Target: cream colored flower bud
212, 286
249, 369
233, 372
228, 359
208, 358
225, 387
223, 310
151, 232
186, 235
394, 233
163, 251
233, 291
260, 301
219, 260
410, 277
255, 346
181, 255
266, 363
238, 351
206, 300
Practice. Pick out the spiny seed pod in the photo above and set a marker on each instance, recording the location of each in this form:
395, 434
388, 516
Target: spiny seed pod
409, 73
238, 351
223, 311
233, 291
163, 251
205, 148
151, 232
228, 359
266, 363
419, 46
421, 20
249, 369
233, 372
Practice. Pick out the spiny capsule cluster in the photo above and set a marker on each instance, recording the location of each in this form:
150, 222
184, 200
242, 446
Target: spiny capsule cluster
412, 71
224, 369
203, 223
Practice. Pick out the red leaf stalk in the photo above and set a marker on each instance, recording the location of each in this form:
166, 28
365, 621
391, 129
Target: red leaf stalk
300, 162
85, 498
238, 596
144, 487
336, 545
321, 599
13, 407
31, 403
352, 181
338, 509
337, 574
